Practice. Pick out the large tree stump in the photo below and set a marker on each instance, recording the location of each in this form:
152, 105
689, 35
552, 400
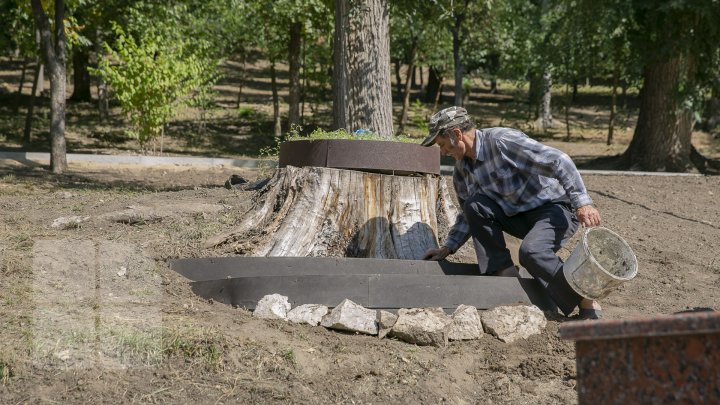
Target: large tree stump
317, 211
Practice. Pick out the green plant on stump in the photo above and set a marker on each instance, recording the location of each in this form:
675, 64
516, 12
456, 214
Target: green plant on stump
153, 77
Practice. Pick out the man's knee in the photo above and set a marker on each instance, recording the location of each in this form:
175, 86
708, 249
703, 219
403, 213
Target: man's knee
530, 252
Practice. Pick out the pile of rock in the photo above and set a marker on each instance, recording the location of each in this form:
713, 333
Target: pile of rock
422, 326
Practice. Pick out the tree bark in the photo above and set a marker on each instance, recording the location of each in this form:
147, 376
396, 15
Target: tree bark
277, 131
81, 76
294, 57
241, 80
315, 211
53, 48
362, 93
661, 141
406, 92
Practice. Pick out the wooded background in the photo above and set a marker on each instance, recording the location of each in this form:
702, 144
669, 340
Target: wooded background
155, 57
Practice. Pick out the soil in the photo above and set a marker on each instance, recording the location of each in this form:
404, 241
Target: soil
156, 341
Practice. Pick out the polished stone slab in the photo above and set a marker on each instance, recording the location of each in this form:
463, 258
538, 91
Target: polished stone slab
664, 359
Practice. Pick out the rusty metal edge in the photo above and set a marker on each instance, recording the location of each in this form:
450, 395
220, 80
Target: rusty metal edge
379, 156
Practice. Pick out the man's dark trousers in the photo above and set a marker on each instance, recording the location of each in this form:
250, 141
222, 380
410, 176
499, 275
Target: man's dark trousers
543, 231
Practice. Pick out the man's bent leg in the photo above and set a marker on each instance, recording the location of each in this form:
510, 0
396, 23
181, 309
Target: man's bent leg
487, 222
553, 225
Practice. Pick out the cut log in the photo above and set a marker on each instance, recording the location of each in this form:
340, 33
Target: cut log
326, 212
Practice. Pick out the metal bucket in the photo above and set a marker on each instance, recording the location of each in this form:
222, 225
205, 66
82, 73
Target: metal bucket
601, 261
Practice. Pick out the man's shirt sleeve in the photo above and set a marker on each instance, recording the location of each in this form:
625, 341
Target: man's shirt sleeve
460, 231
535, 158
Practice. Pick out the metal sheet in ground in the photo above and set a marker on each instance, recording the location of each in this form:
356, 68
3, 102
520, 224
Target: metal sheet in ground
483, 292
212, 268
385, 291
245, 292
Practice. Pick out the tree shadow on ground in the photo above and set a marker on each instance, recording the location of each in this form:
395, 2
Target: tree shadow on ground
40, 175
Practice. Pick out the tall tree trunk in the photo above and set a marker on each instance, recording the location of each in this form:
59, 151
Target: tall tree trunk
613, 106
362, 94
408, 83
31, 102
81, 76
546, 110
276, 101
661, 141
294, 57
54, 52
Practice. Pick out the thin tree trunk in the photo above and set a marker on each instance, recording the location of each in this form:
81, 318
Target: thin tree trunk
661, 141
81, 76
398, 78
438, 94
304, 86
421, 78
459, 69
547, 118
362, 93
408, 83
613, 103
294, 57
567, 112
102, 89
18, 94
241, 80
276, 101
53, 47
31, 102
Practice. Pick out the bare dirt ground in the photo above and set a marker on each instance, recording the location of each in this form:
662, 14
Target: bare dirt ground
147, 338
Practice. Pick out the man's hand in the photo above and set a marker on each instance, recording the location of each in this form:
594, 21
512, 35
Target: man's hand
588, 215
437, 254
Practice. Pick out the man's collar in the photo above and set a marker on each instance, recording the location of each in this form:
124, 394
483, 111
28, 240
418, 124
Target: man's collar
479, 145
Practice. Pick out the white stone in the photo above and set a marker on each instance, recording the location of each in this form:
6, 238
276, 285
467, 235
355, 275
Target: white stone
310, 314
422, 326
273, 306
509, 323
351, 317
466, 324
68, 222
385, 320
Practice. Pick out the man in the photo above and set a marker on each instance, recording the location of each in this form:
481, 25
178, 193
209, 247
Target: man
506, 181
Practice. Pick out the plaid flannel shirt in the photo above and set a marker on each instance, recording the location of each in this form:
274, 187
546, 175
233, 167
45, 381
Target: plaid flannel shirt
518, 173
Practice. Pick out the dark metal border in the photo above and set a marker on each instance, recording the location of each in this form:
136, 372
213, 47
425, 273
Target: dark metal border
374, 156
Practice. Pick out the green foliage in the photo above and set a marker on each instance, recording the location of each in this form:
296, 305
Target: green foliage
153, 76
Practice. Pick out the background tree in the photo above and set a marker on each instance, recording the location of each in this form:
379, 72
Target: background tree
676, 42
52, 40
156, 68
362, 96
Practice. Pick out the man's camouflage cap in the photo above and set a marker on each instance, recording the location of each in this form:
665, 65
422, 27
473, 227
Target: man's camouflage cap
450, 117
